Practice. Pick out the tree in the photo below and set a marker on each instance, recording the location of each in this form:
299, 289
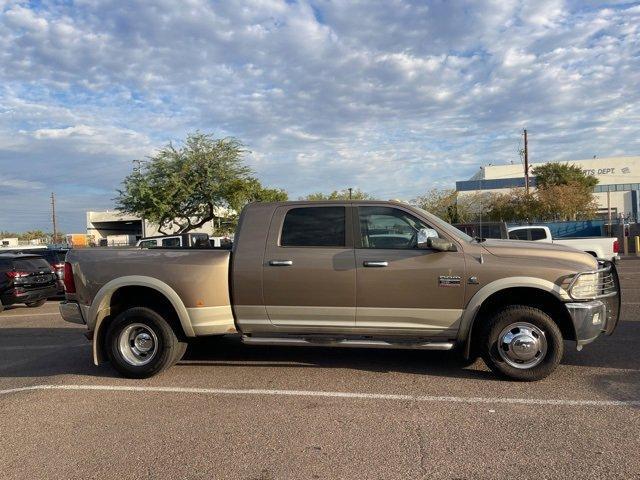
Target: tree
516, 205
356, 194
450, 206
182, 188
564, 192
553, 174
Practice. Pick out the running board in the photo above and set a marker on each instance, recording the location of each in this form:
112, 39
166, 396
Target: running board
356, 343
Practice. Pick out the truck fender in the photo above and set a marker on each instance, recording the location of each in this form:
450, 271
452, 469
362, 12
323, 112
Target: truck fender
471, 311
100, 308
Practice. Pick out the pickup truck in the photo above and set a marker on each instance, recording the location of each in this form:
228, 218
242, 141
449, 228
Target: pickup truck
344, 274
599, 247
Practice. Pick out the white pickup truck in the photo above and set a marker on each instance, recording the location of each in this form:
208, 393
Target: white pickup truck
606, 248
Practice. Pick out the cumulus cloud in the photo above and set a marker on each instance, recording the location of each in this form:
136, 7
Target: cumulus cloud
393, 97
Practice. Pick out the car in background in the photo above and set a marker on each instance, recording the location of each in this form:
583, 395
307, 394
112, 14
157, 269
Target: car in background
55, 257
26, 278
187, 240
606, 248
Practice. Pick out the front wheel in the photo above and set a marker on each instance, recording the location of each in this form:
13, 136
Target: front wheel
522, 343
141, 343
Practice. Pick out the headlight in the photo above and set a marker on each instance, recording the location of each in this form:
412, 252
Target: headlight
585, 286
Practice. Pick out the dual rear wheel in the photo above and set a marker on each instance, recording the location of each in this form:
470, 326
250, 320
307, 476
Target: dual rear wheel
140, 343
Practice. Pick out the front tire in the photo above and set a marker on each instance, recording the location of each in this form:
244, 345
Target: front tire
140, 343
522, 343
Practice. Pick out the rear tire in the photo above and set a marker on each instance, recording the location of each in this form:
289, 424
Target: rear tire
141, 343
39, 303
522, 343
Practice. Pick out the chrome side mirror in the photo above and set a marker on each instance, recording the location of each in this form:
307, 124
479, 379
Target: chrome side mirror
424, 235
441, 245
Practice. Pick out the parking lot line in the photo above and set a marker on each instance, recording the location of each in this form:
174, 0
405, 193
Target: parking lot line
348, 395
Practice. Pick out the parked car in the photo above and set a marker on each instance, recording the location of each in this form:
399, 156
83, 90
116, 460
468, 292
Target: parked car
192, 240
25, 278
600, 247
318, 274
55, 257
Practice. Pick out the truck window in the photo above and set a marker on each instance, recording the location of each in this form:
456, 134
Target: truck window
519, 234
314, 227
148, 243
538, 234
387, 227
171, 242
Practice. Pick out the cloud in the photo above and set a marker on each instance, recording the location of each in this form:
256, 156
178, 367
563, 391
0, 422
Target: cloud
393, 97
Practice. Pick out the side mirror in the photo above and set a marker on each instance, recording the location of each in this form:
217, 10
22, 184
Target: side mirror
441, 245
424, 235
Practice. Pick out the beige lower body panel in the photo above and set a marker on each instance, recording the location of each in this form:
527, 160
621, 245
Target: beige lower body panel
349, 320
408, 318
212, 320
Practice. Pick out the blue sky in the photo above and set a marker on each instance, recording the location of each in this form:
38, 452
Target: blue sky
392, 97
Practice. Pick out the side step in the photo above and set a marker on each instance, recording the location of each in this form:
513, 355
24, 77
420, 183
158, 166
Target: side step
352, 343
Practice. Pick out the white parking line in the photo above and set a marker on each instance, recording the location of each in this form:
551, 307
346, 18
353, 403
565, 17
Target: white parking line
349, 395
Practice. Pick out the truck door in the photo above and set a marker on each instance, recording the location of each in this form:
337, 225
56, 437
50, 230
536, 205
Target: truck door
400, 287
309, 274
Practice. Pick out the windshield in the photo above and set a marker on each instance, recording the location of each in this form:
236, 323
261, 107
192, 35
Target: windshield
447, 226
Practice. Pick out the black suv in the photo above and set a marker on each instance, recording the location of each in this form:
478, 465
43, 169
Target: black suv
25, 278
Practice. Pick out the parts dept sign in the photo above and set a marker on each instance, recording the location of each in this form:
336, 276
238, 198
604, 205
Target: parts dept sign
607, 171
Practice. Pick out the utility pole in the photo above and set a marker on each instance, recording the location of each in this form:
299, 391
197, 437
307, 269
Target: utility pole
526, 163
53, 218
350, 191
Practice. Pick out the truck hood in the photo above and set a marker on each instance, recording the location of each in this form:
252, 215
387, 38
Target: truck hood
541, 250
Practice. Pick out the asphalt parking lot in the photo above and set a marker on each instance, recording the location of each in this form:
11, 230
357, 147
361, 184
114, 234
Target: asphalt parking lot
232, 411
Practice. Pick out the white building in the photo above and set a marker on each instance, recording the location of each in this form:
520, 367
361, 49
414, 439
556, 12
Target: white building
113, 228
618, 182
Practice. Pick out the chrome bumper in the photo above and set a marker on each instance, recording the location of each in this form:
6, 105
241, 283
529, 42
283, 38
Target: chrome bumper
71, 312
589, 320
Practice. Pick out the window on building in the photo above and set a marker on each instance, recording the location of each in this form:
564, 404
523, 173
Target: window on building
314, 227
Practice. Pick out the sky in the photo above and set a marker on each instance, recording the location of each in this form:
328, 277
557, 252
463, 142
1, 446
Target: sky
393, 97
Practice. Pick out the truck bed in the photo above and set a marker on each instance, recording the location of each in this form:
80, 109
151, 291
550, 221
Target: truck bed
199, 277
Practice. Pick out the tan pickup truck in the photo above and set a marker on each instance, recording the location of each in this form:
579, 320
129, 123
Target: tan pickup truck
344, 274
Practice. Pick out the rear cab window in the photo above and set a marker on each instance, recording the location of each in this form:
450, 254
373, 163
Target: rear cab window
520, 234
171, 242
314, 227
538, 234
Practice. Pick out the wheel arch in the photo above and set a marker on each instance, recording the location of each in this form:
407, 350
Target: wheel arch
101, 308
529, 291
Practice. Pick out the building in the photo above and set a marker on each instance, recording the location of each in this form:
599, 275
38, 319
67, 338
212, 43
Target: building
618, 186
113, 228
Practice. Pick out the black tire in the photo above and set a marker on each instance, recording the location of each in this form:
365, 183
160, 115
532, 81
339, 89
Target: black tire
519, 314
180, 351
39, 303
167, 349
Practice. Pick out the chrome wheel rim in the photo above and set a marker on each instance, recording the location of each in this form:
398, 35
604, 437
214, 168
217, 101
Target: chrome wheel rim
138, 344
522, 345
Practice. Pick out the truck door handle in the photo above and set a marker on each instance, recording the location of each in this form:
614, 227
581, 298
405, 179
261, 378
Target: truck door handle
280, 263
375, 264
